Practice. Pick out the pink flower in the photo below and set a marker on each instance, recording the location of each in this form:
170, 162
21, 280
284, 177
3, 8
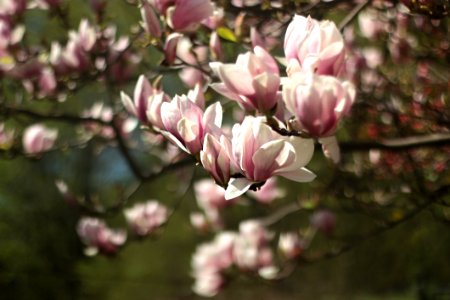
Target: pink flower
371, 23
217, 158
253, 81
199, 222
10, 35
9, 8
170, 47
211, 199
38, 138
290, 245
151, 22
251, 250
162, 5
324, 221
194, 56
314, 46
145, 218
262, 153
147, 103
47, 81
98, 237
186, 15
216, 19
215, 46
318, 102
186, 125
209, 261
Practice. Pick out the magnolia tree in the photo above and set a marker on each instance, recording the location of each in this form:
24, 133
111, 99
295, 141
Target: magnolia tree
346, 99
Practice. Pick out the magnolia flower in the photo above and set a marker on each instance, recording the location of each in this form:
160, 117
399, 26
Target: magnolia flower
290, 244
150, 20
318, 102
310, 45
191, 55
253, 81
10, 8
199, 221
47, 81
217, 158
209, 261
216, 19
145, 218
170, 47
251, 250
211, 199
324, 221
98, 237
186, 15
371, 23
10, 35
262, 153
186, 125
215, 46
147, 103
38, 138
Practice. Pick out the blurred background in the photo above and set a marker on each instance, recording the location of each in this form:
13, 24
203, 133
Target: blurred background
42, 257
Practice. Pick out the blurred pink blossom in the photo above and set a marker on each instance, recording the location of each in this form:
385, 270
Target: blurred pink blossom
98, 237
290, 244
324, 221
186, 15
146, 218
38, 138
268, 192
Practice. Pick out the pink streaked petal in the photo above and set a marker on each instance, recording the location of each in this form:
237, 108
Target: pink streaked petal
213, 115
265, 158
267, 59
237, 79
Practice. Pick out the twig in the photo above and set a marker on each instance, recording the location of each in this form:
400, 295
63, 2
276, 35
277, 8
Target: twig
353, 14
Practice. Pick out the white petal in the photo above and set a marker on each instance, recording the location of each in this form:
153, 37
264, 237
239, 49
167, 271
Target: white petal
213, 114
330, 148
300, 175
237, 187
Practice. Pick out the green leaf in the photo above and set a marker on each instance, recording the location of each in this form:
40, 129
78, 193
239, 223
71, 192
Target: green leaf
226, 34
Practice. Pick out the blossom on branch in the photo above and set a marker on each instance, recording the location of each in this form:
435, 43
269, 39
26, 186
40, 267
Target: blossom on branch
312, 45
262, 153
98, 237
38, 138
186, 125
318, 102
253, 81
